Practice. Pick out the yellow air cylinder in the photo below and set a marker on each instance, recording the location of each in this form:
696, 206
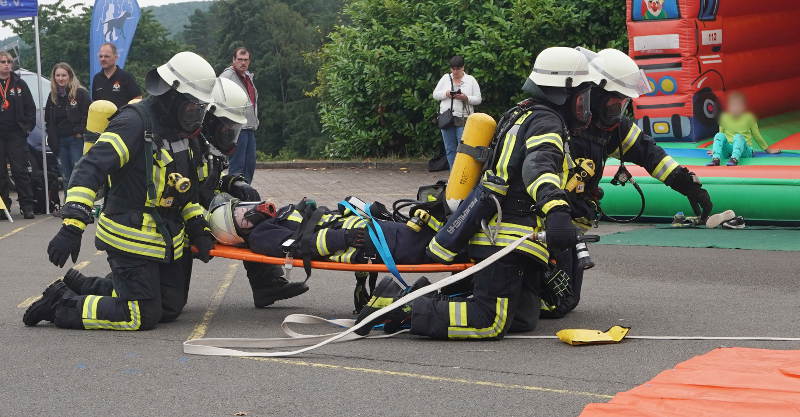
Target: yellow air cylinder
466, 170
97, 121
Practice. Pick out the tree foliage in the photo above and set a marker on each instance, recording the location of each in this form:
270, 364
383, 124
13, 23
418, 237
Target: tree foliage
378, 72
64, 36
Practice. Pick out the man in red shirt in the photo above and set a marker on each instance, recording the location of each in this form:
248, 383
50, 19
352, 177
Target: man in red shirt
243, 161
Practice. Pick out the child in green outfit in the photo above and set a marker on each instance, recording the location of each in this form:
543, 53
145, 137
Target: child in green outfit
737, 130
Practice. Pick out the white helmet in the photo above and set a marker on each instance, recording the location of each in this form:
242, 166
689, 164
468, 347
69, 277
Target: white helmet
619, 71
220, 220
560, 67
187, 72
230, 101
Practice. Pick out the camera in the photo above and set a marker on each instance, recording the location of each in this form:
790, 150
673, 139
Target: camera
453, 93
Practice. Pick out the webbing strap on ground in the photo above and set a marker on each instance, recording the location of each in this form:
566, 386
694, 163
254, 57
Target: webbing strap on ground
225, 346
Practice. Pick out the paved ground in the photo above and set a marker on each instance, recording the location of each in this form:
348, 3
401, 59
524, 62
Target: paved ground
657, 291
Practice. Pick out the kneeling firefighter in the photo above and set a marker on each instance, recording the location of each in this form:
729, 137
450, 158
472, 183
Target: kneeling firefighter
525, 178
150, 203
612, 133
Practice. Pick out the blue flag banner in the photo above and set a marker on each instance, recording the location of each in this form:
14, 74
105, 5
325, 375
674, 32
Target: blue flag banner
112, 21
14, 9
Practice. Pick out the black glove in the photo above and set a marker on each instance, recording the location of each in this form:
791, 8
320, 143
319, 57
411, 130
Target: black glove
355, 238
66, 243
200, 236
561, 233
236, 186
688, 184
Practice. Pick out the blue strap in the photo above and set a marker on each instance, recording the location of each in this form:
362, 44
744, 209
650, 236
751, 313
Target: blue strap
378, 240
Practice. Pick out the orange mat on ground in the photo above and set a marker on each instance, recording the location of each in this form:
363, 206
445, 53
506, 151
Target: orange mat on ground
244, 254
789, 172
790, 142
730, 382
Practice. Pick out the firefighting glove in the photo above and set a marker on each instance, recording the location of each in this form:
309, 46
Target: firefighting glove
355, 238
200, 236
66, 243
560, 232
688, 184
239, 188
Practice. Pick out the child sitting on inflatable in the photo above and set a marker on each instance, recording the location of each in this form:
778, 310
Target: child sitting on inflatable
305, 230
737, 130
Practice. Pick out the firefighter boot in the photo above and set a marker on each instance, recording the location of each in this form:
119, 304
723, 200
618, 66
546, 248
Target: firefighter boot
386, 292
45, 307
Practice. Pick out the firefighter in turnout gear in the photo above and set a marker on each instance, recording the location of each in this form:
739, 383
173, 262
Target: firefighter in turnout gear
150, 207
526, 177
613, 134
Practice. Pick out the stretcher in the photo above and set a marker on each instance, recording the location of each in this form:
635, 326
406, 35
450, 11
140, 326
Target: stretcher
244, 254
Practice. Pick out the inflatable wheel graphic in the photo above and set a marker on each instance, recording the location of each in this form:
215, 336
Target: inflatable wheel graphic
706, 107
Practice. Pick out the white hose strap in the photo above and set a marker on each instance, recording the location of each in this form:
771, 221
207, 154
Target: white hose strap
224, 346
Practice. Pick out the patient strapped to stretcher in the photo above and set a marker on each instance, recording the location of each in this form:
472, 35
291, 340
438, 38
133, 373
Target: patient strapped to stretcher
306, 231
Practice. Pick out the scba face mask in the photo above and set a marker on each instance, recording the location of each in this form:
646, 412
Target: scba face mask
222, 133
608, 109
580, 108
189, 113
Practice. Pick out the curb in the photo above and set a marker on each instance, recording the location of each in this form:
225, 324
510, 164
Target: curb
405, 166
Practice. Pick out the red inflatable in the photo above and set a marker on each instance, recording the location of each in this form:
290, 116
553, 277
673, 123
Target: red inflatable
693, 51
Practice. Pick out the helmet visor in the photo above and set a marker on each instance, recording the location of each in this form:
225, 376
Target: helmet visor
222, 133
636, 81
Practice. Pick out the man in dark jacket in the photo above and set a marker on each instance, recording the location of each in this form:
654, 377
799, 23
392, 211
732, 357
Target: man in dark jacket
17, 119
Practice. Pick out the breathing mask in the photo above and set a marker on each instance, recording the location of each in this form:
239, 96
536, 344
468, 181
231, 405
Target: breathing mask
608, 109
222, 133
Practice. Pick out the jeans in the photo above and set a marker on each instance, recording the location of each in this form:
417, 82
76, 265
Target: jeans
738, 149
451, 137
243, 160
70, 151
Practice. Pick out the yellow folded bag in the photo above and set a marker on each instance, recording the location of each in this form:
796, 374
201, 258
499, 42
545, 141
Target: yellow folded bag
576, 337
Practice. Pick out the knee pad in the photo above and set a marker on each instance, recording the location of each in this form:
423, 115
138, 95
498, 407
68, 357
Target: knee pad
150, 311
452, 238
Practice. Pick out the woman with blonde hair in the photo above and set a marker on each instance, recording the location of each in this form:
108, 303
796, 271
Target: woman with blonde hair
65, 116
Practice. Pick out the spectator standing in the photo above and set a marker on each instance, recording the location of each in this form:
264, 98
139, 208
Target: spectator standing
17, 119
113, 83
243, 160
458, 92
65, 116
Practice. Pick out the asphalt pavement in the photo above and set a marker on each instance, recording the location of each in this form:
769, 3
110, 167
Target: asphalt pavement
45, 371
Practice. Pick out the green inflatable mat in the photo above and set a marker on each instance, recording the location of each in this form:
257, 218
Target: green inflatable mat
752, 238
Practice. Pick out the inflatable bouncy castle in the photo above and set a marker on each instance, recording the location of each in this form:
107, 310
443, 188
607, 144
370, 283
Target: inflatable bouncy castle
693, 51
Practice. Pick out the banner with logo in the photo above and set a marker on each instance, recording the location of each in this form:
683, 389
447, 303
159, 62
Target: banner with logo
112, 21
15, 9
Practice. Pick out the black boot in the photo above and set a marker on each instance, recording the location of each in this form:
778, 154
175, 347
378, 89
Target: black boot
45, 307
387, 292
278, 289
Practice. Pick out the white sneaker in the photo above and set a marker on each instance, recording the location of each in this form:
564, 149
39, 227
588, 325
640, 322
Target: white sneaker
719, 218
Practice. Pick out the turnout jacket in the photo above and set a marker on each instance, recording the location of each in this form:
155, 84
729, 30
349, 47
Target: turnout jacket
633, 146
133, 221
533, 160
329, 243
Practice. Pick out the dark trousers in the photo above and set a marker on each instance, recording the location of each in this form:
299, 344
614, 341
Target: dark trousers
14, 150
504, 298
134, 302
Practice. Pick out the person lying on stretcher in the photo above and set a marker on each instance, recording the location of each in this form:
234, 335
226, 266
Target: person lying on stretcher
304, 230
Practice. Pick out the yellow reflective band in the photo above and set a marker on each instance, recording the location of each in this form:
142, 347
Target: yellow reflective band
118, 144
499, 189
458, 313
664, 168
546, 178
160, 180
130, 247
494, 330
440, 251
81, 195
379, 302
202, 172
86, 302
295, 217
629, 141
322, 245
134, 323
114, 293
551, 138
192, 210
122, 230
535, 249
434, 224
74, 222
553, 203
509, 142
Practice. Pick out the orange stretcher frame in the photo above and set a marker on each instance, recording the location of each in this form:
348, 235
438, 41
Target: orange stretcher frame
244, 254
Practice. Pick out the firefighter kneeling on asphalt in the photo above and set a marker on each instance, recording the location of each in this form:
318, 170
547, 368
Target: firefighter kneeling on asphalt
526, 177
150, 205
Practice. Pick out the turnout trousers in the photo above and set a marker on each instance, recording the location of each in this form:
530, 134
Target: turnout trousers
504, 298
130, 300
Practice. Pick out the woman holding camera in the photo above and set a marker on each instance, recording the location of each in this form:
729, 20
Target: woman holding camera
457, 93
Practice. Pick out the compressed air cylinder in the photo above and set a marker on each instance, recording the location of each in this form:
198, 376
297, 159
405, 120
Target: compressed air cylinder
97, 121
466, 170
